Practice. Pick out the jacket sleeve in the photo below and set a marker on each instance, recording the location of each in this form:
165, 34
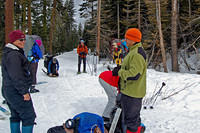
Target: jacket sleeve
57, 66
136, 66
15, 71
86, 50
78, 50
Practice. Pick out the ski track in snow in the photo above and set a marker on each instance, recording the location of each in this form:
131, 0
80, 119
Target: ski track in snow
69, 94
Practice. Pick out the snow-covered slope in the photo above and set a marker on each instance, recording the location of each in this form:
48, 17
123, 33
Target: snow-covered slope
63, 97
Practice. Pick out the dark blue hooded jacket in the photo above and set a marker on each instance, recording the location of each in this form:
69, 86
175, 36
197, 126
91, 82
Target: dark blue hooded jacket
15, 70
88, 122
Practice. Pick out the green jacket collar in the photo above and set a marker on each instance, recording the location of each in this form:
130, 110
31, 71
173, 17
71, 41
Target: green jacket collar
136, 45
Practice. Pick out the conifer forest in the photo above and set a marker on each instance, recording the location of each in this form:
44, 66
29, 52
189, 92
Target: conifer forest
169, 27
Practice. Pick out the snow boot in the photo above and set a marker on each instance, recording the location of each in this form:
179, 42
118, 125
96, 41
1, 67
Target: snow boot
4, 102
15, 127
106, 119
140, 129
128, 131
27, 129
78, 72
33, 90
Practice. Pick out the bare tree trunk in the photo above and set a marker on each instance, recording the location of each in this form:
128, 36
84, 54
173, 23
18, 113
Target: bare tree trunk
161, 35
189, 4
139, 23
52, 27
127, 14
29, 18
9, 24
98, 26
17, 15
174, 37
44, 21
23, 2
118, 23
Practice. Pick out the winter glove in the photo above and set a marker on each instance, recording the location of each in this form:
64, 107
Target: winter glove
118, 99
116, 70
82, 53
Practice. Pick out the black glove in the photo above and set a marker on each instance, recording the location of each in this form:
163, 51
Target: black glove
82, 53
116, 70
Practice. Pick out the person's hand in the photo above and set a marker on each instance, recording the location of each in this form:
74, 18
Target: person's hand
26, 97
116, 70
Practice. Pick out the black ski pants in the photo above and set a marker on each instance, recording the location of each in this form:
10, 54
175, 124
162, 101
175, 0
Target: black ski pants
79, 63
33, 72
131, 108
20, 110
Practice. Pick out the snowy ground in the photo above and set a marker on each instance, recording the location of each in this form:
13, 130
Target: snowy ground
63, 97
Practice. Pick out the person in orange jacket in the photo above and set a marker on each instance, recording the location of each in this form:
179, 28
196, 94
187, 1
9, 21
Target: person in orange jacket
82, 51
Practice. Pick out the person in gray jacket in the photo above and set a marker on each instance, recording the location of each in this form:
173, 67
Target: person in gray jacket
16, 82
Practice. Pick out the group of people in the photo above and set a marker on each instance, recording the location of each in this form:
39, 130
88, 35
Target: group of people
120, 50
127, 80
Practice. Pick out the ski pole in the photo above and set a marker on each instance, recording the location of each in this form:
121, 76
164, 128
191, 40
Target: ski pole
176, 92
148, 101
89, 65
157, 94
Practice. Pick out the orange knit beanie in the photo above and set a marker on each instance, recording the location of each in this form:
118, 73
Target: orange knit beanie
133, 34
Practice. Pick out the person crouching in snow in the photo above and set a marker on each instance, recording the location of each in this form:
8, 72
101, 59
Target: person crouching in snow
110, 85
82, 123
53, 67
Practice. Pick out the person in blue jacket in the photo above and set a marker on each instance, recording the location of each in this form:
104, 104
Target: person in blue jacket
53, 67
36, 56
16, 81
81, 123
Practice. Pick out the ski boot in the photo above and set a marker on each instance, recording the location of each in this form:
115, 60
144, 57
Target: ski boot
141, 128
78, 72
33, 90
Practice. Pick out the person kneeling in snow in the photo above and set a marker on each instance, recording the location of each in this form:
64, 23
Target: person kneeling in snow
53, 67
82, 123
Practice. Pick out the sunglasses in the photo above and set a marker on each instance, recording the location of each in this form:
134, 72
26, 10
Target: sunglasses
23, 39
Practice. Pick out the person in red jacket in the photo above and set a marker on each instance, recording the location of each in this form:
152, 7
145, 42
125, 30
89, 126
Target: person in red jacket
110, 85
82, 51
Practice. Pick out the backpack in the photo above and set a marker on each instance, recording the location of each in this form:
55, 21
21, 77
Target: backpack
31, 55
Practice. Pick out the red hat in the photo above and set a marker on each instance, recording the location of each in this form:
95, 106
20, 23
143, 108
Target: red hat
133, 34
15, 35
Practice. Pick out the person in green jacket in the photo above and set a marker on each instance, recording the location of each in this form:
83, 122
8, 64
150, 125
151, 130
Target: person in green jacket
132, 75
